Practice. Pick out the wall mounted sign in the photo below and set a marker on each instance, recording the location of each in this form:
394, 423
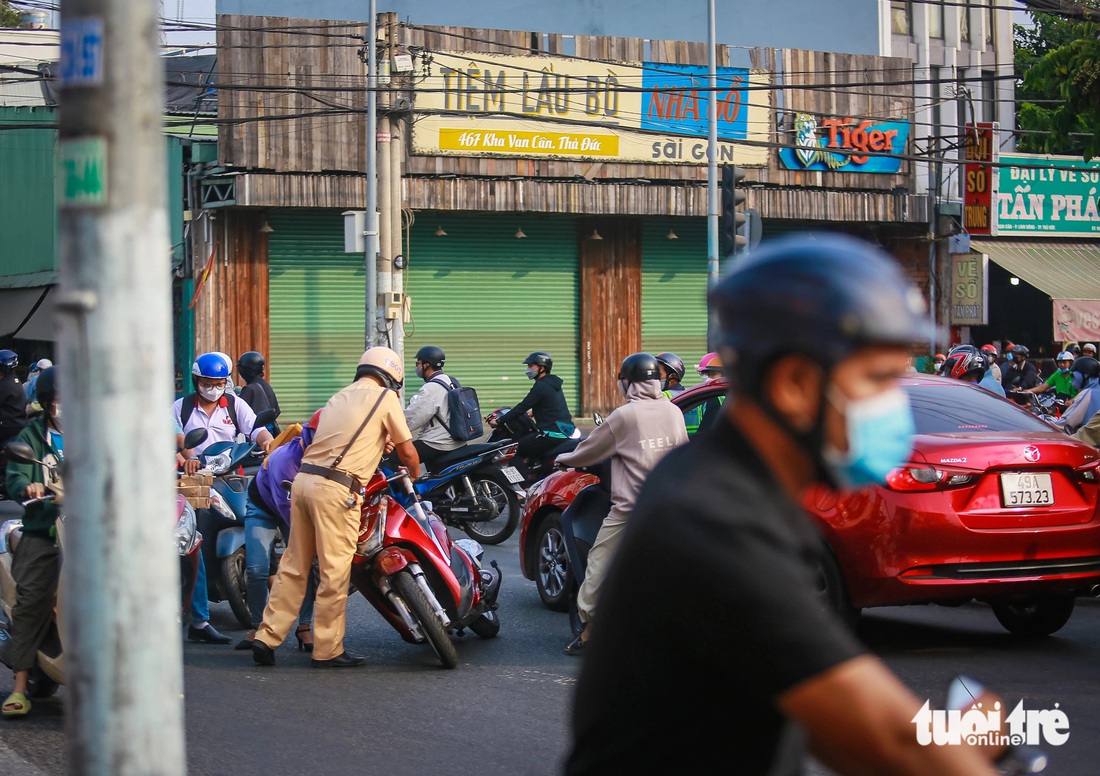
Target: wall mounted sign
559, 107
981, 179
846, 145
1077, 320
1048, 196
969, 289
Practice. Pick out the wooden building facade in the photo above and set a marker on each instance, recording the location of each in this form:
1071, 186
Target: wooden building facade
493, 254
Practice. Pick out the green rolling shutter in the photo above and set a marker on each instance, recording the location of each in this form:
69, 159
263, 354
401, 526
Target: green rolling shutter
317, 309
488, 299
674, 289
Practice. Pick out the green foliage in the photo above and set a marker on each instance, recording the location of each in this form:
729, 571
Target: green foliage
1058, 62
9, 17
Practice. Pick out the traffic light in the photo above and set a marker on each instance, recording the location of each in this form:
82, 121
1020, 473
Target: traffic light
732, 219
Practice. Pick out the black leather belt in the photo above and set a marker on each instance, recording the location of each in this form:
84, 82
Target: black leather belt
349, 481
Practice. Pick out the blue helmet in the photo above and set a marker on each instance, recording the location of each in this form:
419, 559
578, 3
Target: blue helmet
8, 359
211, 365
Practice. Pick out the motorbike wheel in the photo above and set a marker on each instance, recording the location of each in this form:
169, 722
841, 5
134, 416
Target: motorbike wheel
433, 629
39, 685
487, 626
553, 577
233, 571
495, 486
1039, 617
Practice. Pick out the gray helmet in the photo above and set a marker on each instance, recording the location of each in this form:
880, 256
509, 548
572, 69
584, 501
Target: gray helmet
639, 367
673, 363
432, 355
823, 296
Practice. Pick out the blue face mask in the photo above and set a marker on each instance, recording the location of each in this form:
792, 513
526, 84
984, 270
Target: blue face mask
1063, 369
880, 438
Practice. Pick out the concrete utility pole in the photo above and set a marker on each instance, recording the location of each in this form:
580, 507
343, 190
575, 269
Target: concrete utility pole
712, 171
371, 140
121, 584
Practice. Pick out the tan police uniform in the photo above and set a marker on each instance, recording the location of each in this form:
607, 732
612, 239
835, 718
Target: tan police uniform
325, 515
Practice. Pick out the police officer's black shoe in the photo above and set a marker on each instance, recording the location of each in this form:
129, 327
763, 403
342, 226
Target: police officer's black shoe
345, 660
262, 655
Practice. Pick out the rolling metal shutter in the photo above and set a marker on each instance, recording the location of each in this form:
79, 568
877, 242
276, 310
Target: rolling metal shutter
489, 299
317, 310
674, 290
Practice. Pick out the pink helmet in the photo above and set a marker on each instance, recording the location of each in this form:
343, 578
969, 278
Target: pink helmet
709, 363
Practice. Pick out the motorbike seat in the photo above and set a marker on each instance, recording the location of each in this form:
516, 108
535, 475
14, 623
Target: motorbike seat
463, 453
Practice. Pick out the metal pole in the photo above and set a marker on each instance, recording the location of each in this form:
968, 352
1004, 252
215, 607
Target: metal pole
371, 258
120, 585
712, 170
397, 157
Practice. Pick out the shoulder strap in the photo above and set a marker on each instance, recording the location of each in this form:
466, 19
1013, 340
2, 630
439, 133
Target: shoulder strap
188, 407
454, 383
231, 408
359, 430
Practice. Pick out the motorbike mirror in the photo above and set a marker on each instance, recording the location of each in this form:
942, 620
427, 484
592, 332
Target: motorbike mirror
597, 418
21, 452
194, 438
265, 417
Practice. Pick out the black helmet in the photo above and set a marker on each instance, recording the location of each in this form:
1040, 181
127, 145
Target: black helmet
1086, 365
45, 388
1021, 350
965, 361
824, 297
639, 367
673, 363
9, 359
251, 365
540, 358
432, 355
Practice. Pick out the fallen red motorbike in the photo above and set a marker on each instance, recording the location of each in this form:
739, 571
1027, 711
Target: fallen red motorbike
427, 586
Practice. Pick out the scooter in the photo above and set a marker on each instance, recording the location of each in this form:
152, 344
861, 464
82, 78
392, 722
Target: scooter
533, 469
222, 524
474, 489
425, 585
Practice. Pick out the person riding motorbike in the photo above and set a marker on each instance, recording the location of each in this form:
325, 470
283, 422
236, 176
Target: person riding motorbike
991, 350
672, 374
710, 367
13, 404
428, 412
1020, 374
1082, 417
937, 363
36, 566
635, 436
1061, 382
325, 507
814, 334
223, 415
257, 391
546, 401
268, 512
967, 363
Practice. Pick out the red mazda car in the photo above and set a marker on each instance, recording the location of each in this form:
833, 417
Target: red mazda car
994, 505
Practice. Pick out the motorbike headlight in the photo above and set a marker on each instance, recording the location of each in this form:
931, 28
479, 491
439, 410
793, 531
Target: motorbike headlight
219, 464
186, 532
218, 504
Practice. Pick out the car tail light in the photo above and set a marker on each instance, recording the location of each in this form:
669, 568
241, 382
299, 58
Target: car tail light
920, 478
1088, 472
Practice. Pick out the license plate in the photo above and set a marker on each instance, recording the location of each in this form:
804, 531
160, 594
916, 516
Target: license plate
512, 473
1027, 490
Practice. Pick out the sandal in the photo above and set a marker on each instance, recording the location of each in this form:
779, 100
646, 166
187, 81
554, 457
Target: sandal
304, 634
16, 705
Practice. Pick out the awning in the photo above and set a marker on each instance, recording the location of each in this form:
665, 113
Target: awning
1068, 272
1059, 269
27, 313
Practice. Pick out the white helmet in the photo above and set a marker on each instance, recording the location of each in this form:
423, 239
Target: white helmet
384, 364
1065, 355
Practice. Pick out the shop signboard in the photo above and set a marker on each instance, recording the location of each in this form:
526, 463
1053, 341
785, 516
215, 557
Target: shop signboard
564, 108
981, 178
846, 144
1076, 320
969, 289
1048, 196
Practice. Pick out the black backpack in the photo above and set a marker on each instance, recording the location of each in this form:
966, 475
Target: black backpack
465, 411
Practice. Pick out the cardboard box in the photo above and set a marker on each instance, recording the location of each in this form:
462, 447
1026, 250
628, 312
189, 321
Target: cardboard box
196, 489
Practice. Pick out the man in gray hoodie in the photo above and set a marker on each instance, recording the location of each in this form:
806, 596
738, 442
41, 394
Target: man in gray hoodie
635, 436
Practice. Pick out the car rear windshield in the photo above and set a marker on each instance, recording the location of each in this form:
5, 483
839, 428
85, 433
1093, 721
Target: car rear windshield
949, 409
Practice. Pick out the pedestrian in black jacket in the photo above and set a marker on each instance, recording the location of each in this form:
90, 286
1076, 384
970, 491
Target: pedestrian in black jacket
13, 403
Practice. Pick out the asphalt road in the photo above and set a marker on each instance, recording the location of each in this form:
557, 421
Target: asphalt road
504, 709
